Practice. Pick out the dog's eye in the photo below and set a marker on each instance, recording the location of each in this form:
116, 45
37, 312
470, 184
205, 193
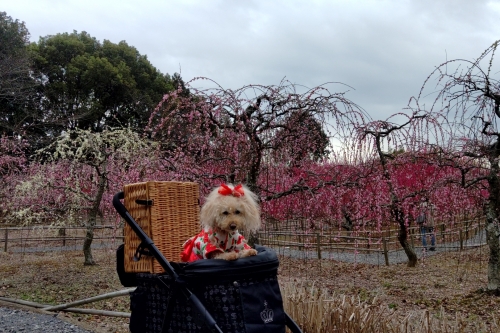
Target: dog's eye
225, 213
237, 212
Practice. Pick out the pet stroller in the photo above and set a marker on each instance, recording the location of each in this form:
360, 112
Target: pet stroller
241, 296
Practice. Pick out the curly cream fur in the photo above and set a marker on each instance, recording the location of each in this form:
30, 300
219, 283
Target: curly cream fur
212, 212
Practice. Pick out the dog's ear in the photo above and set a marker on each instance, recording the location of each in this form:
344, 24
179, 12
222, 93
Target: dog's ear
252, 210
209, 210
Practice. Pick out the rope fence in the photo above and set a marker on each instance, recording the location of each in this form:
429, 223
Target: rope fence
370, 246
53, 238
288, 238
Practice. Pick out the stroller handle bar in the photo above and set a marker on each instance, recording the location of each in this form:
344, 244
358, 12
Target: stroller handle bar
148, 242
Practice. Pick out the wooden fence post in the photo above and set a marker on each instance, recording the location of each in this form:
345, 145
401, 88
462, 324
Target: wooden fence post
461, 240
6, 239
386, 255
318, 245
467, 230
442, 232
62, 233
299, 239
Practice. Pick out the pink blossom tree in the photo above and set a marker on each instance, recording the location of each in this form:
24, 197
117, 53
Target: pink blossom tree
229, 135
244, 135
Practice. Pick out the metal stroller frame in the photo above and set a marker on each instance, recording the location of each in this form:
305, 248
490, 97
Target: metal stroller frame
148, 244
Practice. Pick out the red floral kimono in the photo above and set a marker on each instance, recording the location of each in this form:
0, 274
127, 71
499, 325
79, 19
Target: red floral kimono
209, 241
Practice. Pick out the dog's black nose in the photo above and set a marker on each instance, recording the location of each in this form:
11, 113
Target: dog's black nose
232, 226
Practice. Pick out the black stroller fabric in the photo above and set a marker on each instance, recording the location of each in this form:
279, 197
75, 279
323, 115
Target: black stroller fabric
126, 279
243, 296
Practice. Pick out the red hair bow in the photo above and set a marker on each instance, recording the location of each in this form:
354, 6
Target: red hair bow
226, 190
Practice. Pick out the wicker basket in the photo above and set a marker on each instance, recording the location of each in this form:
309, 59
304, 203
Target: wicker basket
169, 217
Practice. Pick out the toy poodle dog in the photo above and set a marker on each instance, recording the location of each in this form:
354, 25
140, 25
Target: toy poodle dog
227, 210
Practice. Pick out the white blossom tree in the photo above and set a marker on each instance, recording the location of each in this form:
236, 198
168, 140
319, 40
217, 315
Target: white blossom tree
74, 172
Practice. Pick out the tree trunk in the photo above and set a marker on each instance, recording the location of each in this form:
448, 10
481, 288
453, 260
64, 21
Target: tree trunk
252, 176
396, 212
492, 233
492, 228
347, 225
407, 247
89, 236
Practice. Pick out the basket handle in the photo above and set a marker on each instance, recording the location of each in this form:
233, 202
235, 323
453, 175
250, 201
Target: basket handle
144, 202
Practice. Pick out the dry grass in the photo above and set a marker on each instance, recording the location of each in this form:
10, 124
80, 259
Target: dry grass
319, 311
441, 295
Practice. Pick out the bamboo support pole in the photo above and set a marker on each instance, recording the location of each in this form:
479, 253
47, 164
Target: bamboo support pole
89, 300
99, 312
75, 310
23, 302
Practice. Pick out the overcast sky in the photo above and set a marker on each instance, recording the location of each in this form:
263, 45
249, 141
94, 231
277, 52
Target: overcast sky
383, 49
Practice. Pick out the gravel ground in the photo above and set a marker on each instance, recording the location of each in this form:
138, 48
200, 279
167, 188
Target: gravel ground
15, 320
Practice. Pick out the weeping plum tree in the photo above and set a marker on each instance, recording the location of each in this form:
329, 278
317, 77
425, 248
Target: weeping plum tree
467, 98
243, 135
380, 136
230, 134
76, 170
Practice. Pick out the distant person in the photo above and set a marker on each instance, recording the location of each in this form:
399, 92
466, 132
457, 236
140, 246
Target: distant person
425, 221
